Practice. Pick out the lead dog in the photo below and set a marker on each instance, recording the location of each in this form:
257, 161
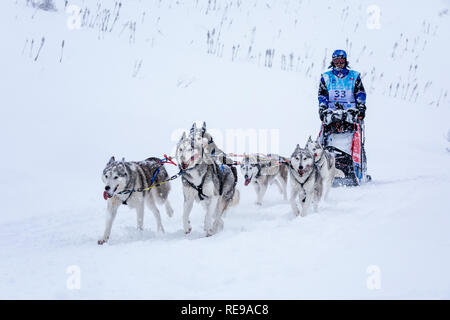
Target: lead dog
262, 171
305, 179
119, 176
325, 163
204, 181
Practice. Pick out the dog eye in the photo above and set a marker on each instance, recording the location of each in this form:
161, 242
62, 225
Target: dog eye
116, 177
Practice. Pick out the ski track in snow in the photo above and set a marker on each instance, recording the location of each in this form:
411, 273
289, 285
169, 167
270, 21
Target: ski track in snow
65, 119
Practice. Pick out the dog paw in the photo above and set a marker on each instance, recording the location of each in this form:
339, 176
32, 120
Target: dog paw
188, 230
101, 242
211, 231
259, 203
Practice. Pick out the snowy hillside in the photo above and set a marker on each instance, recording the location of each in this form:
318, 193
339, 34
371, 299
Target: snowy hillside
84, 80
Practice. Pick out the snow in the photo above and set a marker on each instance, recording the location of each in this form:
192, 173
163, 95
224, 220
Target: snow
62, 121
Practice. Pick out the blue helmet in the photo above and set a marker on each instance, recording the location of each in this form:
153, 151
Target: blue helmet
339, 54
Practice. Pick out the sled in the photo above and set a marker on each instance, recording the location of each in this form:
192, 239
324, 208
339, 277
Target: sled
348, 150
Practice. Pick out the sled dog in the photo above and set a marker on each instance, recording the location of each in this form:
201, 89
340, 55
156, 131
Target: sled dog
262, 171
325, 163
119, 176
306, 184
205, 181
211, 150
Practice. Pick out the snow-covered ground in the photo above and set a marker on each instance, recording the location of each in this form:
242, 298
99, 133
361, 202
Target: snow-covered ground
128, 88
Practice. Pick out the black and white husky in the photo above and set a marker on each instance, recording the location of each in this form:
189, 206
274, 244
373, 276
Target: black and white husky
306, 182
262, 171
205, 181
120, 176
325, 163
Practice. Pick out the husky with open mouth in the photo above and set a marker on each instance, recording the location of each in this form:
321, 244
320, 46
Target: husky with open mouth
205, 181
306, 182
123, 176
264, 170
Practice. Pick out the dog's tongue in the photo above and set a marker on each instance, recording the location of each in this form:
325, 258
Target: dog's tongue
247, 181
301, 172
105, 195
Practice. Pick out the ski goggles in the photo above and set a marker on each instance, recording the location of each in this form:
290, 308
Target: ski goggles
339, 60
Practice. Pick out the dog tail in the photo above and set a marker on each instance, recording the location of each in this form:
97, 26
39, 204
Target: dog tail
236, 197
284, 170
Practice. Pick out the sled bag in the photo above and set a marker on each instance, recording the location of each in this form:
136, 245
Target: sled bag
356, 150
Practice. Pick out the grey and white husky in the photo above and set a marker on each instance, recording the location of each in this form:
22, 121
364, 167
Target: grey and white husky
210, 148
325, 163
262, 171
120, 176
205, 181
306, 182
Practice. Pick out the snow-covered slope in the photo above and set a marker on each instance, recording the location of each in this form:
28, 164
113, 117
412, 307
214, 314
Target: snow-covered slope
129, 86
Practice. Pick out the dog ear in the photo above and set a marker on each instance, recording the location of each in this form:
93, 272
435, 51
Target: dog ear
204, 127
310, 139
111, 160
183, 136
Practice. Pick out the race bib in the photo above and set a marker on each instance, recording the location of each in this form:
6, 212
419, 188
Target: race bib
340, 90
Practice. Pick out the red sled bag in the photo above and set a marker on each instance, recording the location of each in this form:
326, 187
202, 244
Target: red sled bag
356, 150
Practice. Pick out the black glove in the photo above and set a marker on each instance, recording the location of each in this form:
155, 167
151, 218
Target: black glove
322, 111
361, 111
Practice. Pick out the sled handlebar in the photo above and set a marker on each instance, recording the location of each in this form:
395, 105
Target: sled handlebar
349, 115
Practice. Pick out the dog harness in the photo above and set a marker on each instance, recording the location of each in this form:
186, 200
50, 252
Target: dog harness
155, 173
319, 163
302, 184
199, 188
